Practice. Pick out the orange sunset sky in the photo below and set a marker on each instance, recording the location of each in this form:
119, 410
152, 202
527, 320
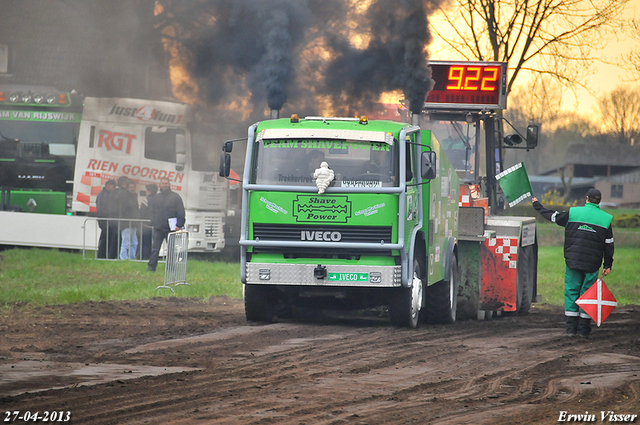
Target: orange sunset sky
604, 77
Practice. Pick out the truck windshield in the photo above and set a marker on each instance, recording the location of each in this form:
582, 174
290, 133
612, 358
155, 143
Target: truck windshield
292, 162
31, 135
459, 139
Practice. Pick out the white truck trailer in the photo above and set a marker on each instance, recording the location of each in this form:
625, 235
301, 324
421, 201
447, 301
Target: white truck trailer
143, 140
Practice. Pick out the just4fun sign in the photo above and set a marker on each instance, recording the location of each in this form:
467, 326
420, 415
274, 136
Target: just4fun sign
146, 113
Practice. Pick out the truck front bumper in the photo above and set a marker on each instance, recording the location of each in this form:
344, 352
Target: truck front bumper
324, 275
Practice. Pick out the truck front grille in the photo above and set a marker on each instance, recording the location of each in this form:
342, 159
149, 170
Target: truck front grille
345, 234
213, 227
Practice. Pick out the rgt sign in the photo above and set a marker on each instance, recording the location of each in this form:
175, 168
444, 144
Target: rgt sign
116, 141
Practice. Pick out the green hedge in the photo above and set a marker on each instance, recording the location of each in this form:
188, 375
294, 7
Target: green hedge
629, 221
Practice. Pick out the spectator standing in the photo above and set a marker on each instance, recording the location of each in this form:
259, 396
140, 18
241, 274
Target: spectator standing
588, 238
164, 206
105, 210
118, 200
145, 214
129, 209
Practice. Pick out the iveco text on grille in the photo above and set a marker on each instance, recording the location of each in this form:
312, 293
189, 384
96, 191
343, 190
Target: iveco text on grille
320, 236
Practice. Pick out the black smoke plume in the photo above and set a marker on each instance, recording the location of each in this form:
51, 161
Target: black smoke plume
298, 54
251, 42
394, 59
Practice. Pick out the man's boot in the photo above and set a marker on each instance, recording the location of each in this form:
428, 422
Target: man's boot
572, 325
584, 326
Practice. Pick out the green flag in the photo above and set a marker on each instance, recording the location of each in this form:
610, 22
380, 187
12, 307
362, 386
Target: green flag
515, 184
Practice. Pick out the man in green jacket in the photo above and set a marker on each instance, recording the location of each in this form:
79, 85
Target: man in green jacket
588, 240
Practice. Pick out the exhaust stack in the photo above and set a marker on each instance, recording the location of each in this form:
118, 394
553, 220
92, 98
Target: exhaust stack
275, 114
415, 119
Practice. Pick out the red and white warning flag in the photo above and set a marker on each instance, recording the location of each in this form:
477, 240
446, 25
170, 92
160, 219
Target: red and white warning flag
597, 301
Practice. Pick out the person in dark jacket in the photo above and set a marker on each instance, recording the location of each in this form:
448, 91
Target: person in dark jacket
115, 226
588, 240
104, 209
145, 214
165, 206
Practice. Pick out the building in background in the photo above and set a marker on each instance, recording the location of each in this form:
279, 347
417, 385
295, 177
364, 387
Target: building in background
622, 190
102, 48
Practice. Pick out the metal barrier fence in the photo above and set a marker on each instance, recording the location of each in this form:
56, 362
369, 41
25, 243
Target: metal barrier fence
119, 239
176, 270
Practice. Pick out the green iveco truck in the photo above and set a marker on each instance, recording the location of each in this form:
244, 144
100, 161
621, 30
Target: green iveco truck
358, 237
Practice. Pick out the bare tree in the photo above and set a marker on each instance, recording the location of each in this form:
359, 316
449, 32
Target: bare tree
538, 101
620, 111
546, 37
631, 60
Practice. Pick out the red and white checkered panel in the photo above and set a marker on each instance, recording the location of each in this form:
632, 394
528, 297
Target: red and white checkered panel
508, 247
90, 186
499, 263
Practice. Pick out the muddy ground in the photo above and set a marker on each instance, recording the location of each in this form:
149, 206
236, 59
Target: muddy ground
172, 360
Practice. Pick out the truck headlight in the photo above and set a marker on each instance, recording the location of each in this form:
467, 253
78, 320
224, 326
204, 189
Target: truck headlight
193, 228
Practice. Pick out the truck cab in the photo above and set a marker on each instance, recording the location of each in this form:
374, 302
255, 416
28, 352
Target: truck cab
347, 213
38, 138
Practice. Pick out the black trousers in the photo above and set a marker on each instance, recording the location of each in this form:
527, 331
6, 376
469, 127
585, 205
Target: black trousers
145, 242
102, 241
159, 236
113, 240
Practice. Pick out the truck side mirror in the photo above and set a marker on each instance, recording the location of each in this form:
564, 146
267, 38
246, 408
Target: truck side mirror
428, 165
532, 136
225, 164
227, 147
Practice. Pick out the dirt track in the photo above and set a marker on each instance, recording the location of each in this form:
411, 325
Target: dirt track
170, 361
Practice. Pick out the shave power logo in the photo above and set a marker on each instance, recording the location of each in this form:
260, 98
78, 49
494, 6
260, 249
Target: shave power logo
313, 208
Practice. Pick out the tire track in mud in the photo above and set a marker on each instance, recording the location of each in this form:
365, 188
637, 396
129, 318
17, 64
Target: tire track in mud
139, 408
327, 354
333, 373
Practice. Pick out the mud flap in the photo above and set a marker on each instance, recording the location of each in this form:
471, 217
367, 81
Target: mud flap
499, 288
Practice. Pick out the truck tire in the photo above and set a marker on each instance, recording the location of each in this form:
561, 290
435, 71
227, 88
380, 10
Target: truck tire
406, 303
441, 297
259, 303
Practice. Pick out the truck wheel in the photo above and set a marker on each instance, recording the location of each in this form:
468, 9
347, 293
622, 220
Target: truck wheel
406, 303
259, 303
441, 297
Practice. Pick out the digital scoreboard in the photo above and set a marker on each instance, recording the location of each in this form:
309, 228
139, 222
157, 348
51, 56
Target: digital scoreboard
468, 85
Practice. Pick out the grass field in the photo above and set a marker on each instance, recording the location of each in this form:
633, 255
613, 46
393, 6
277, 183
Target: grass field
41, 277
37, 277
623, 282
